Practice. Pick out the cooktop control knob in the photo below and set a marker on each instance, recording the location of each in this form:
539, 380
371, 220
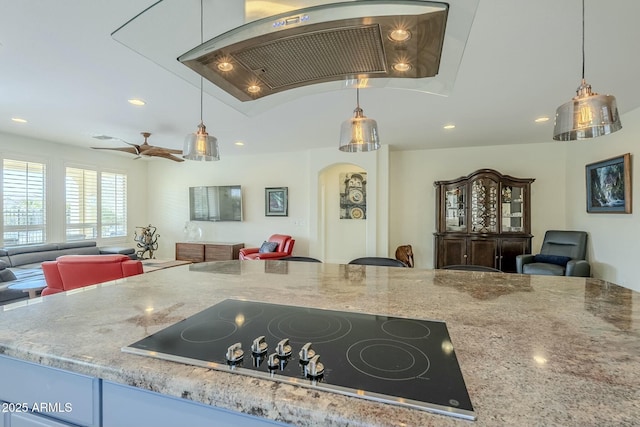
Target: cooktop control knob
306, 353
315, 368
283, 348
235, 353
273, 362
259, 345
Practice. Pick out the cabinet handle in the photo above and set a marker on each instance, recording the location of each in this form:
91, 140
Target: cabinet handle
464, 256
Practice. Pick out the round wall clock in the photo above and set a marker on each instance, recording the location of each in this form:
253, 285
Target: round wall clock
356, 196
356, 213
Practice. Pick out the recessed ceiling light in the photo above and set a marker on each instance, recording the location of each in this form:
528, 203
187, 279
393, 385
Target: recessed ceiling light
253, 89
138, 102
448, 127
239, 143
541, 119
402, 67
225, 66
399, 35
18, 120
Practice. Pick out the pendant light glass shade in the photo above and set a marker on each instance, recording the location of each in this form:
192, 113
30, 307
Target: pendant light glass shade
587, 115
201, 146
359, 133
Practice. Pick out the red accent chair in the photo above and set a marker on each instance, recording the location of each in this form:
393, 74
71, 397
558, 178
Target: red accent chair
76, 271
285, 247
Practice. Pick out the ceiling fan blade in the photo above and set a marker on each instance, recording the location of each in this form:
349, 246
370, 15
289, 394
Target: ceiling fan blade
132, 150
172, 151
166, 155
151, 150
143, 149
113, 138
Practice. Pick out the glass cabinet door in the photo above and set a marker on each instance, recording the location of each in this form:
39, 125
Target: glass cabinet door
455, 209
513, 208
484, 205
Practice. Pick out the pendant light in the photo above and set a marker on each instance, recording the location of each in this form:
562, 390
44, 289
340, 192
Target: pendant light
359, 133
200, 145
587, 115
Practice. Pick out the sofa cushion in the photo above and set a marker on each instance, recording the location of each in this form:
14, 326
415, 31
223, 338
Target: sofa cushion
23, 258
77, 244
11, 295
544, 269
6, 275
3, 265
28, 273
14, 250
552, 259
122, 250
81, 250
268, 247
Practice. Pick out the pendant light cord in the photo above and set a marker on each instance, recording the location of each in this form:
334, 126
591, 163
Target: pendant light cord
202, 41
357, 97
582, 40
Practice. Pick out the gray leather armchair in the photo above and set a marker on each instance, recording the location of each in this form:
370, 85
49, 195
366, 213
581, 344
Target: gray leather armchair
563, 253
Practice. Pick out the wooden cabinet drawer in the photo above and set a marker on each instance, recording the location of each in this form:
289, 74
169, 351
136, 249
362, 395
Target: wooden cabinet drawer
193, 252
222, 251
208, 251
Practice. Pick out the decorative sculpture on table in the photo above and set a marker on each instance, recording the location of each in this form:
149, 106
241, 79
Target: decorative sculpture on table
147, 241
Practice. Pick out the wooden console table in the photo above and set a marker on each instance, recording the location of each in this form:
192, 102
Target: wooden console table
207, 251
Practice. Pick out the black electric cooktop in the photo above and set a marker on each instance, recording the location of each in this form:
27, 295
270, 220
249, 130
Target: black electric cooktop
408, 362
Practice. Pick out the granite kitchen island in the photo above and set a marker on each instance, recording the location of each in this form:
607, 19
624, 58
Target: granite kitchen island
533, 350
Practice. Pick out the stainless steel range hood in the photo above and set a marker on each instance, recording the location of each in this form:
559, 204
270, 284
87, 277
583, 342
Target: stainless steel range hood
325, 43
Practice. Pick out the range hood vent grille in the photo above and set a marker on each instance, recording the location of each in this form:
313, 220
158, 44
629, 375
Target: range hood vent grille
316, 57
339, 41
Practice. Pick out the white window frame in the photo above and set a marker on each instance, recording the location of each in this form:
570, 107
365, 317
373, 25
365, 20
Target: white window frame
41, 223
120, 224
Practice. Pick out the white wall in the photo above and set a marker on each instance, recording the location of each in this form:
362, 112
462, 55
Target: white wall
309, 177
169, 199
614, 238
57, 157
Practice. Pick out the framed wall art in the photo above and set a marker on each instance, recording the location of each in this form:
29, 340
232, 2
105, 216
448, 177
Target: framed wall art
353, 195
276, 201
609, 185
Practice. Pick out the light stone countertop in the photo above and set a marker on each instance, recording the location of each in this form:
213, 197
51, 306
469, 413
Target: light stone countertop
533, 350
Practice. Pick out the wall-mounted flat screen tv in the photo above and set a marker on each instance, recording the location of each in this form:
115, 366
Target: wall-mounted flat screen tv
215, 203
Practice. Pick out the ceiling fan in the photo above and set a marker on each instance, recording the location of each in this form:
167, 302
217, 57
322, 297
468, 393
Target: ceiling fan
143, 149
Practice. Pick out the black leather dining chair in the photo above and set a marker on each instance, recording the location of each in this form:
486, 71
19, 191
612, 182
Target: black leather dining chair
467, 267
300, 258
382, 261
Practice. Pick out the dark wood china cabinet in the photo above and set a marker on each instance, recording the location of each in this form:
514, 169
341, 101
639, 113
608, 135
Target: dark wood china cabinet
483, 218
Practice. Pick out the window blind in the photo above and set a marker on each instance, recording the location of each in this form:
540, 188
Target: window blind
81, 203
24, 202
113, 196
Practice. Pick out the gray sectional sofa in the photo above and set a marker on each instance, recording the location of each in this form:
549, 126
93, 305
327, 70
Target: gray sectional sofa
20, 264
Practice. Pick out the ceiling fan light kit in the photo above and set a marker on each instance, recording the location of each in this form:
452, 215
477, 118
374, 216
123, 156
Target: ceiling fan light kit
587, 115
